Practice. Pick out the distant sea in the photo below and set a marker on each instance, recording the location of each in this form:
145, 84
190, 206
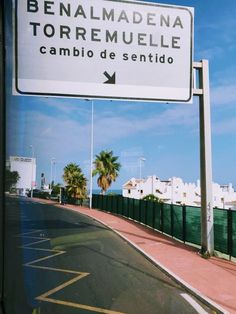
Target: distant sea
113, 191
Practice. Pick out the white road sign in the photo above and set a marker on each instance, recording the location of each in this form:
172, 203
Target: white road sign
104, 49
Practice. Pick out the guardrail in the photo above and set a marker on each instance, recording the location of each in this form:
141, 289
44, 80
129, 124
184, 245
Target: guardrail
181, 222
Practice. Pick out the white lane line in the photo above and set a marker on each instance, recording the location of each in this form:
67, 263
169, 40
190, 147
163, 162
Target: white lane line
193, 303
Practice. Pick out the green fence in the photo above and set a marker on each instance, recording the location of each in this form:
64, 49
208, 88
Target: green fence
181, 222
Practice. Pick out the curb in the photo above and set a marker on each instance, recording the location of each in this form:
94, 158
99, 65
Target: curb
176, 278
197, 294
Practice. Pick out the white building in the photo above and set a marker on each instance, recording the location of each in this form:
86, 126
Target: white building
26, 168
175, 191
224, 195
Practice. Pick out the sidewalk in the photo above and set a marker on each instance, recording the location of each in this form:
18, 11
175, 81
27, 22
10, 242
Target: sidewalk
212, 280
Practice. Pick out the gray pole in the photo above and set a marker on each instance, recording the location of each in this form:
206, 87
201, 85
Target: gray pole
207, 228
54, 171
141, 159
91, 158
32, 170
51, 172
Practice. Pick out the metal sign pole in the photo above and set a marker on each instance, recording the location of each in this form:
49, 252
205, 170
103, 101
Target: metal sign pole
91, 158
207, 227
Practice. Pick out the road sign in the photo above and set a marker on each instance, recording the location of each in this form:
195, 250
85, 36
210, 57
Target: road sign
104, 49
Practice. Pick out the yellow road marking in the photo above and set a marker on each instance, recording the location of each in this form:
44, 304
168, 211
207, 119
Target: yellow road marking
45, 296
81, 306
55, 269
62, 286
38, 249
29, 237
36, 311
29, 232
36, 242
42, 258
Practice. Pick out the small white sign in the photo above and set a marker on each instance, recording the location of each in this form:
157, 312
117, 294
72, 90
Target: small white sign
104, 49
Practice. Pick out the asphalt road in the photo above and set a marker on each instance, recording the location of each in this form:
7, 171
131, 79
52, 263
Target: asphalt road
58, 261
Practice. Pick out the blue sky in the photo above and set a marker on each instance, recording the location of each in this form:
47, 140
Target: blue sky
167, 135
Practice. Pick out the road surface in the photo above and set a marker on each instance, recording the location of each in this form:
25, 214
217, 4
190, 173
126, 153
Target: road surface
61, 262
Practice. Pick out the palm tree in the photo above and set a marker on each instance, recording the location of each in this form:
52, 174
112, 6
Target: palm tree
11, 179
107, 168
76, 181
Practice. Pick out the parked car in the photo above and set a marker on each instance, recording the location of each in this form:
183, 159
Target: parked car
38, 193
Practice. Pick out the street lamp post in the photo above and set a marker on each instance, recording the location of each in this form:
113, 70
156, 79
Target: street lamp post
172, 190
53, 161
91, 158
141, 159
32, 169
54, 172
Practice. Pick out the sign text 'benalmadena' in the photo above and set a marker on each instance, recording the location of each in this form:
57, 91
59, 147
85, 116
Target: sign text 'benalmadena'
104, 49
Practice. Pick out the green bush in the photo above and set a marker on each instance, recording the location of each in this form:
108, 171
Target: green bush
152, 197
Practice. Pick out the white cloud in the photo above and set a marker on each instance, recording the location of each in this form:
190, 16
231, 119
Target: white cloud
227, 126
68, 139
50, 135
129, 159
224, 94
114, 127
210, 53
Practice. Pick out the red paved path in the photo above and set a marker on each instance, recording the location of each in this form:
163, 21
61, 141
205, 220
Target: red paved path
214, 278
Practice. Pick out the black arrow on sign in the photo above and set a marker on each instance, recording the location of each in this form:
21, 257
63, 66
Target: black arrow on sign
110, 79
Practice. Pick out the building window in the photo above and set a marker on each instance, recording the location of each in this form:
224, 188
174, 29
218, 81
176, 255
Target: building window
184, 194
225, 188
129, 191
141, 191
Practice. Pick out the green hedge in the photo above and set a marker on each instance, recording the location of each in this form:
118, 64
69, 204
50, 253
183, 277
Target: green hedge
181, 222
